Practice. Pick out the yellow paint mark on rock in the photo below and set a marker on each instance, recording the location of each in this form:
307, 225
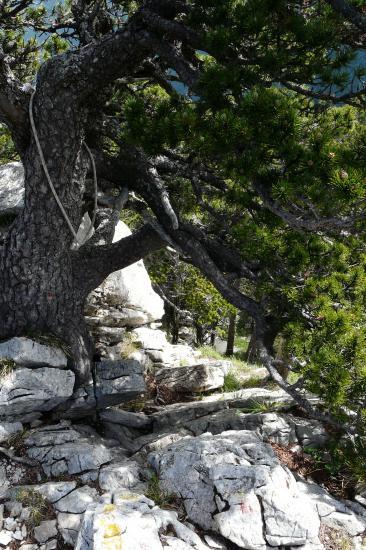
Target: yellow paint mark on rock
112, 530
109, 508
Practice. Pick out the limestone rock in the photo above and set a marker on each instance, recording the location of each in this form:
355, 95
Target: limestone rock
11, 188
129, 291
121, 476
118, 381
62, 450
77, 501
25, 390
45, 531
194, 378
332, 512
179, 414
233, 484
115, 382
150, 339
284, 429
125, 418
29, 353
69, 526
133, 521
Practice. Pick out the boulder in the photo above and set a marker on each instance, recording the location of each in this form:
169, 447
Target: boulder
118, 381
233, 484
128, 291
133, 521
194, 378
29, 353
114, 382
11, 188
62, 450
25, 390
126, 418
150, 339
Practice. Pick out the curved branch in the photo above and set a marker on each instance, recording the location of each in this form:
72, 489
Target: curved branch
350, 13
342, 98
92, 264
304, 222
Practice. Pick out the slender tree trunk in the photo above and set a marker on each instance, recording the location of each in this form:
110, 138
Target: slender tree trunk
231, 335
253, 352
199, 334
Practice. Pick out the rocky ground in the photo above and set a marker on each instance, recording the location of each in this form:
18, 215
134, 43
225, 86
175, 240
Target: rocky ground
152, 453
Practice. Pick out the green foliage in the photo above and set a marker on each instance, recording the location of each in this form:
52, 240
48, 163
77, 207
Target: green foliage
6, 367
344, 458
189, 289
157, 494
16, 440
262, 407
37, 505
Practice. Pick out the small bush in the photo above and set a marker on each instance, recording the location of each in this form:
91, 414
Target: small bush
127, 347
6, 367
37, 504
157, 494
210, 353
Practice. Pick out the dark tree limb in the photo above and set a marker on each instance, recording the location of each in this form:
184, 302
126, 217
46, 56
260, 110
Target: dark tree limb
350, 13
303, 221
92, 264
341, 98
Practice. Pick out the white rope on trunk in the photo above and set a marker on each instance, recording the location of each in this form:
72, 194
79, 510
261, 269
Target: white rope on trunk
78, 240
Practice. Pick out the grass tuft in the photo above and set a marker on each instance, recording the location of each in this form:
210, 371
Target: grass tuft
6, 367
158, 495
37, 505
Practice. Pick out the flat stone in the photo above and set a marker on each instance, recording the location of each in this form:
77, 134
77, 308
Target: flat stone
62, 450
77, 501
45, 531
196, 378
150, 339
125, 418
133, 521
121, 476
53, 491
177, 415
25, 390
29, 353
5, 538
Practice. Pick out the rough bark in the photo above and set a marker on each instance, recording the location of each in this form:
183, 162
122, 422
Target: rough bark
231, 335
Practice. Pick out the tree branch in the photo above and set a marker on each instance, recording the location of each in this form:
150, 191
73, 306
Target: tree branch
92, 264
342, 98
351, 14
304, 222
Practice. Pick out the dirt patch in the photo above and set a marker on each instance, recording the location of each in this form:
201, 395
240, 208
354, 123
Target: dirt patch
334, 539
340, 485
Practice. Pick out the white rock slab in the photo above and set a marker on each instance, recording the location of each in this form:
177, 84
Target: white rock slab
26, 390
29, 353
